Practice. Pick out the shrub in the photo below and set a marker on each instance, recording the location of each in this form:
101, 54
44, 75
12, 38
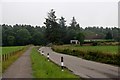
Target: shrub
95, 43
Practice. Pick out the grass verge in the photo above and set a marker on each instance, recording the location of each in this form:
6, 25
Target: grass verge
44, 69
7, 63
94, 53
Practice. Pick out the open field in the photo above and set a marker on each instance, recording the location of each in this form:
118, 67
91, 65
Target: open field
44, 69
6, 50
104, 54
105, 49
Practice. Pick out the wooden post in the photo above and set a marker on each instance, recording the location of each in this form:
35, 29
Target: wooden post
3, 57
62, 63
6, 56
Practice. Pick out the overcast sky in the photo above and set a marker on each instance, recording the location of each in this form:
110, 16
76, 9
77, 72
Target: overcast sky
87, 12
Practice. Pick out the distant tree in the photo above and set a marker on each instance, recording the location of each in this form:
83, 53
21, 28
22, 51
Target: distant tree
52, 31
80, 38
62, 22
73, 23
11, 40
74, 31
108, 35
7, 30
63, 29
38, 39
23, 37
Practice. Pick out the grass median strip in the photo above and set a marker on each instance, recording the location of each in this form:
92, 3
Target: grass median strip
44, 69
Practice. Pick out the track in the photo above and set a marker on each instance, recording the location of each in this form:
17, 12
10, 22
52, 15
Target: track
21, 68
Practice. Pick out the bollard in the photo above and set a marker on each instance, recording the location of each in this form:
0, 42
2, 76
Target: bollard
42, 53
39, 50
48, 56
62, 63
6, 56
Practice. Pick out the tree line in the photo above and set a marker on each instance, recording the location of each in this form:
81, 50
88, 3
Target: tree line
55, 31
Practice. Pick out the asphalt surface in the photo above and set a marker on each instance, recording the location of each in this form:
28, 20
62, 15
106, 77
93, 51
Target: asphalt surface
81, 67
21, 68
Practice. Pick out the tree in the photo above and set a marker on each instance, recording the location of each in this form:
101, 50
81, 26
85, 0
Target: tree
62, 22
38, 39
108, 35
7, 30
11, 40
23, 37
52, 31
63, 29
80, 38
73, 23
74, 31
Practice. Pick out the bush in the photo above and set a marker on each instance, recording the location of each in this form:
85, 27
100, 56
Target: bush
95, 43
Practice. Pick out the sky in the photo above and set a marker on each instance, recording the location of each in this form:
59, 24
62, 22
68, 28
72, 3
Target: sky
87, 12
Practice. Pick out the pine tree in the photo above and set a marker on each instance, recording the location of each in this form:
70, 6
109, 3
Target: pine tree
63, 30
52, 32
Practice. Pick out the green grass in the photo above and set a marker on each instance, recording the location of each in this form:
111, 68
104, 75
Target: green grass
104, 54
44, 69
6, 50
105, 49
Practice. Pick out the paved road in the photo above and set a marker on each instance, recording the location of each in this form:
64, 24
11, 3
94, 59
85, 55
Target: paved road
21, 68
81, 67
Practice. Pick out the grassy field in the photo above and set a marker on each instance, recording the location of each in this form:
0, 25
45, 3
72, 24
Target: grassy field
44, 69
6, 50
104, 54
105, 49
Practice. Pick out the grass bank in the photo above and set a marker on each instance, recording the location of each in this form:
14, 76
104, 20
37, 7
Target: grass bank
44, 69
104, 54
11, 59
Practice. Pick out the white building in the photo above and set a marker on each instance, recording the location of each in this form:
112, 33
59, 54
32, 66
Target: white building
74, 42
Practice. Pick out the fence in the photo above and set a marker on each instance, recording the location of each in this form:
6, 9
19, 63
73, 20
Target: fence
5, 57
